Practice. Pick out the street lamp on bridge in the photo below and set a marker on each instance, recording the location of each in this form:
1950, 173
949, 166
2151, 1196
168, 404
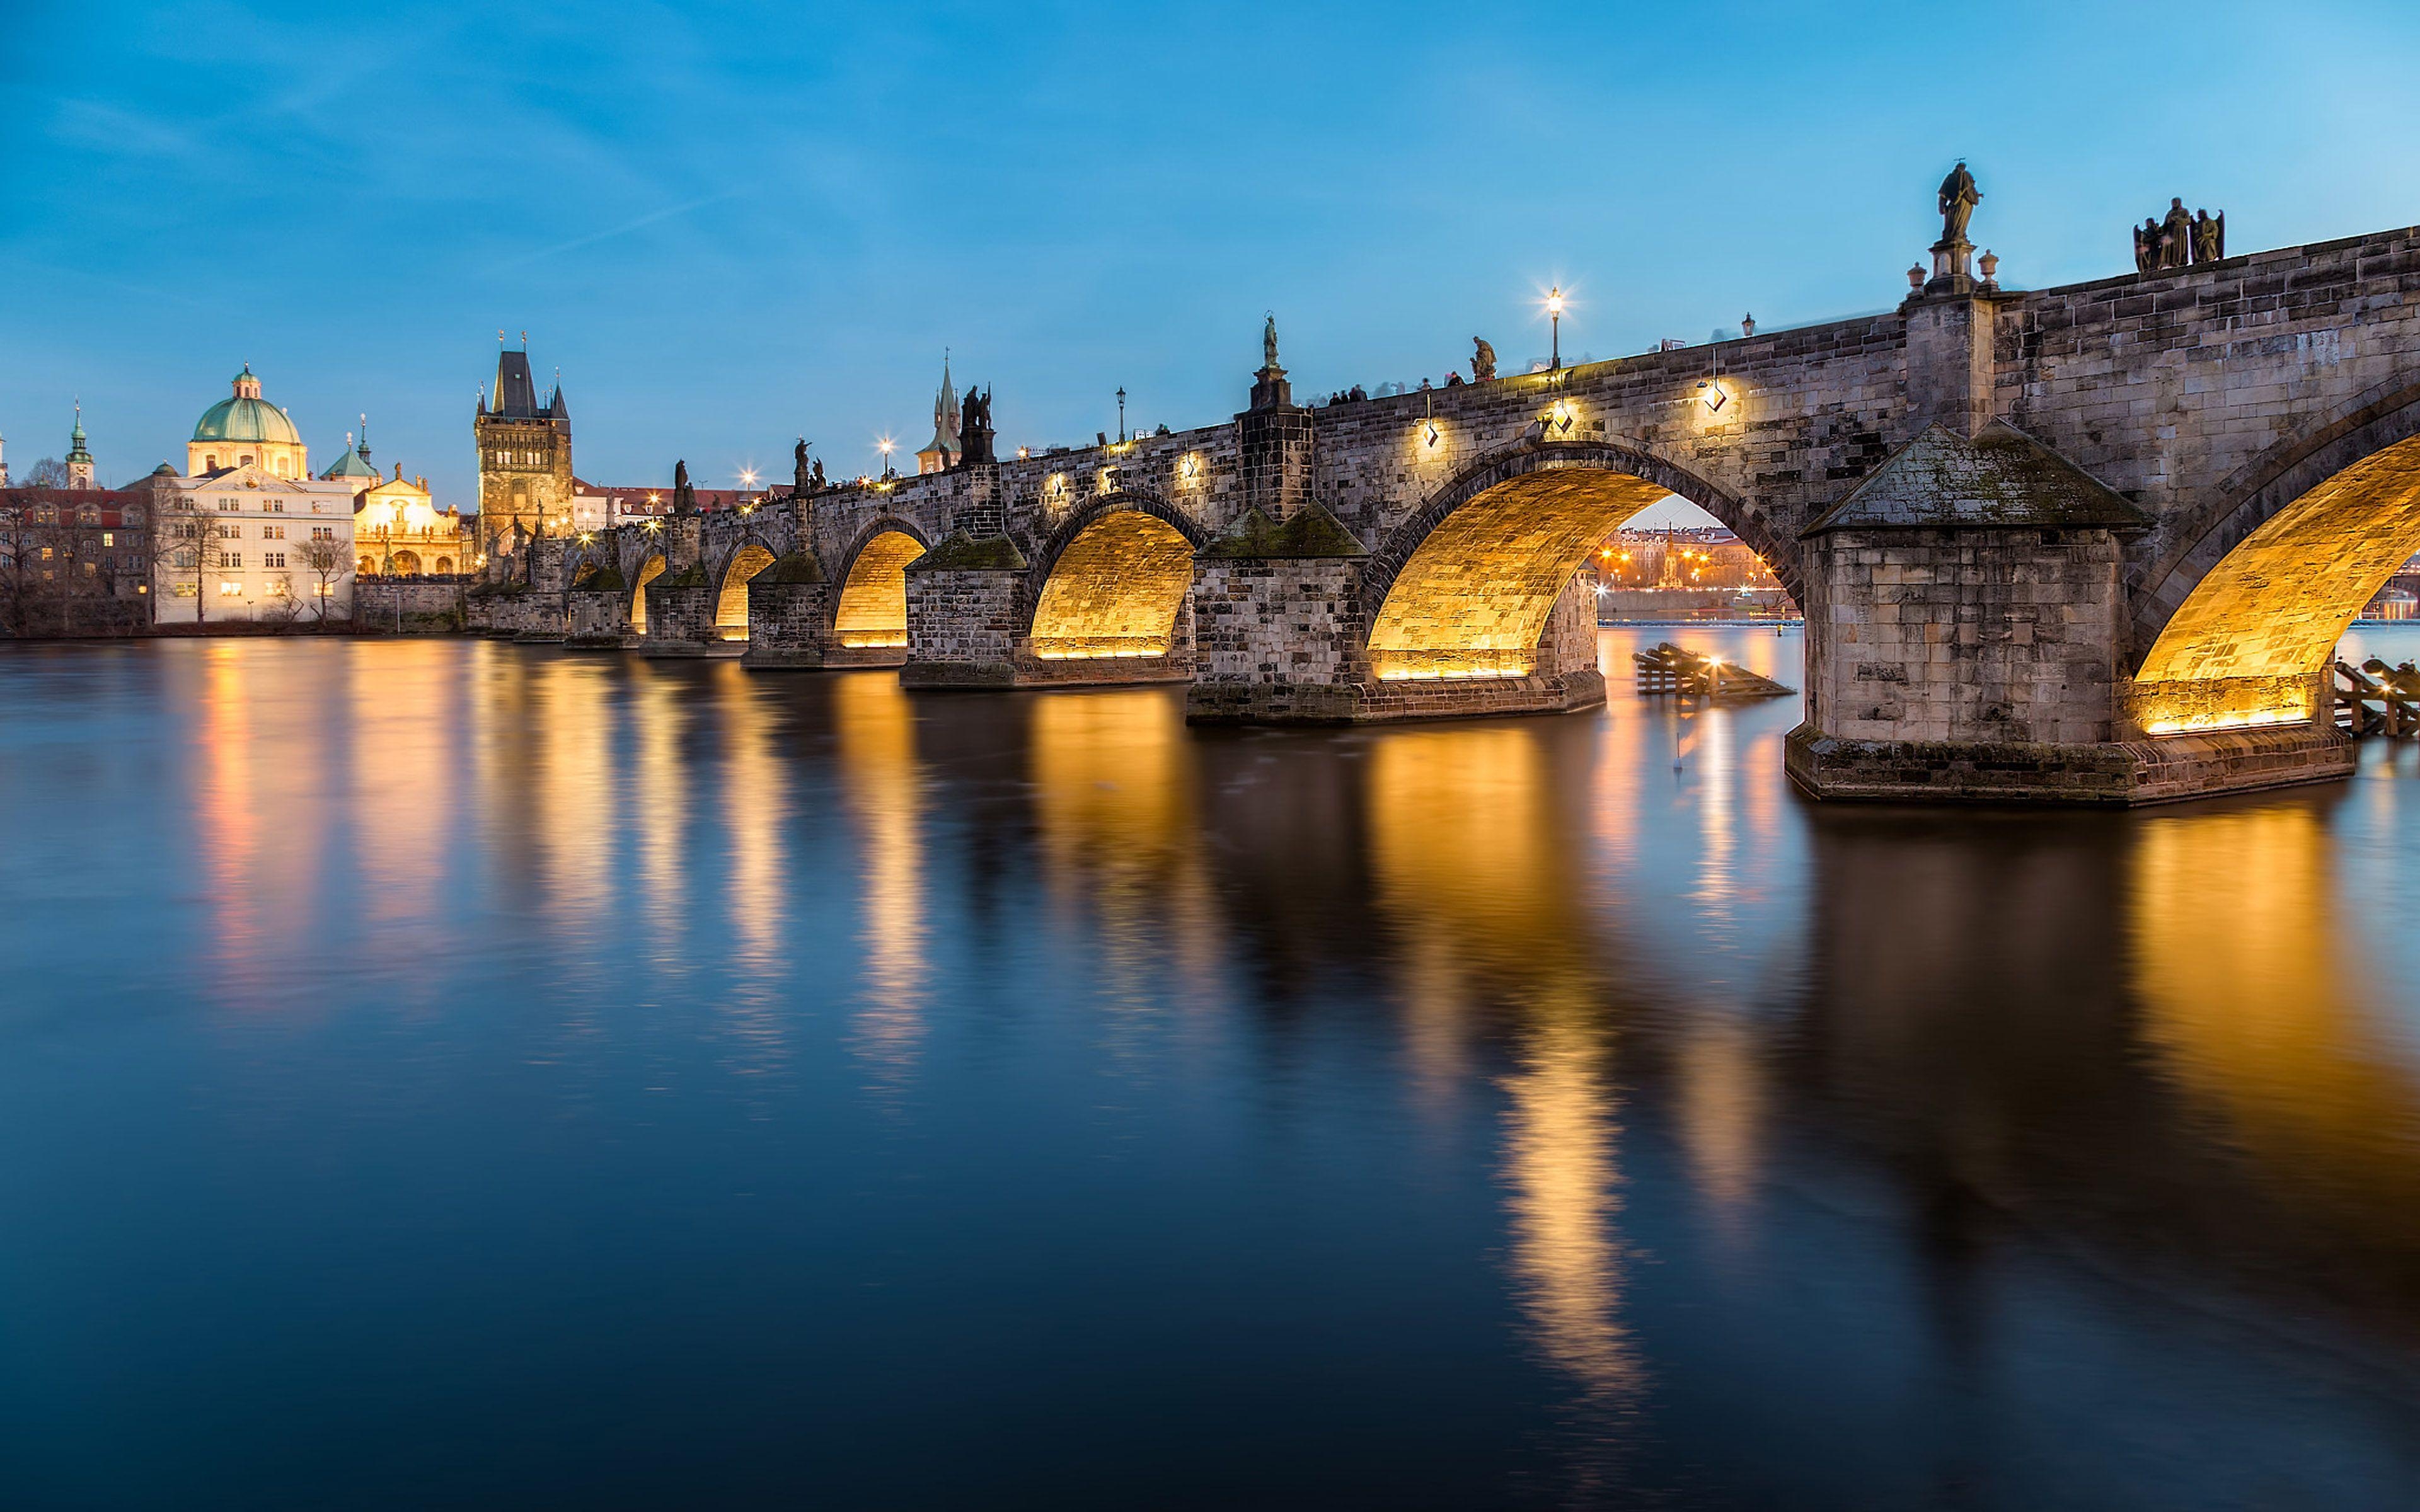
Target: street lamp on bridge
1555, 314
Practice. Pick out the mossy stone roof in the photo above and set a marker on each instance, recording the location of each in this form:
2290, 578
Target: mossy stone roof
2003, 479
1311, 532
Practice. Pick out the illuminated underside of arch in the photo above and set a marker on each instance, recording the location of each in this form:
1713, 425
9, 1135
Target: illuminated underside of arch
731, 606
874, 603
648, 574
1115, 591
1474, 598
2252, 644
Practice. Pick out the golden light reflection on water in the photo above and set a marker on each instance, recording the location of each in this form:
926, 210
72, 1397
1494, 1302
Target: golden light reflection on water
1474, 857
874, 727
2254, 997
403, 799
656, 801
570, 792
1121, 839
226, 808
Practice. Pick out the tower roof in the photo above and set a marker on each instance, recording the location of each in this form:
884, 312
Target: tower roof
516, 395
354, 464
945, 416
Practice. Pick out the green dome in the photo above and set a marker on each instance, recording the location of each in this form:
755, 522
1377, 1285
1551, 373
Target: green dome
246, 417
246, 420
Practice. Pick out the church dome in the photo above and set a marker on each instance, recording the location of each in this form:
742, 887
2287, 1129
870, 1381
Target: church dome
246, 417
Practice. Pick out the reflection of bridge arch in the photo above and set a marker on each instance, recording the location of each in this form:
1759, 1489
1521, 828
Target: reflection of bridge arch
872, 607
2237, 618
1112, 579
1471, 577
649, 570
731, 604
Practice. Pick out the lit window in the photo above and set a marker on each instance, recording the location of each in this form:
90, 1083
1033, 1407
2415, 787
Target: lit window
272, 559
228, 590
230, 559
272, 532
109, 538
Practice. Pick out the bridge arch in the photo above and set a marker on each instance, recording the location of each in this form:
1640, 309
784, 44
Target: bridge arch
1112, 579
1470, 579
650, 568
872, 606
730, 603
2237, 616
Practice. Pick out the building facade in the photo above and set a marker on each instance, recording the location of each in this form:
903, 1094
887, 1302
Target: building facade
398, 531
245, 544
74, 561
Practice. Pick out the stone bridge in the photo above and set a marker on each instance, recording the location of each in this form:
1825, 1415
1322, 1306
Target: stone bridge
2087, 544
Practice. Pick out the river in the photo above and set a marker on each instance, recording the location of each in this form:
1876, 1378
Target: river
441, 1073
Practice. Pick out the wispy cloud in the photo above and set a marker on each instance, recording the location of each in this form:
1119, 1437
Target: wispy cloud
611, 232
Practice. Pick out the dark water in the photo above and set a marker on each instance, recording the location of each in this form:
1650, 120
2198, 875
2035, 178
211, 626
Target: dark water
453, 1074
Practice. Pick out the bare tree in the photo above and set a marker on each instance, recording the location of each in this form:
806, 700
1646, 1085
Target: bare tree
50, 472
185, 543
326, 559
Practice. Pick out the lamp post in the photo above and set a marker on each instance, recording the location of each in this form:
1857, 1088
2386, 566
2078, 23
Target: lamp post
1122, 414
1555, 314
885, 445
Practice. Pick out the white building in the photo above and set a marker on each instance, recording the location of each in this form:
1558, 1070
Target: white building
235, 541
233, 537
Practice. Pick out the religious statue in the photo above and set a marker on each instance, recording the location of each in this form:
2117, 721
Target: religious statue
1958, 199
975, 428
2176, 235
2208, 236
820, 485
684, 497
1482, 360
2146, 246
800, 483
1269, 343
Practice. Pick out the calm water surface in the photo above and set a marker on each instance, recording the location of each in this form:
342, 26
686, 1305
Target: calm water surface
439, 1073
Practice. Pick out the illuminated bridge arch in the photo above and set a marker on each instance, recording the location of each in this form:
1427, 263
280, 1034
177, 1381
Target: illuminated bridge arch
1470, 579
650, 568
872, 610
1112, 579
731, 604
2238, 615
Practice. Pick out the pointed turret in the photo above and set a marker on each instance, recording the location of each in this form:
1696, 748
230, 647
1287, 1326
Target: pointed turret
79, 456
941, 453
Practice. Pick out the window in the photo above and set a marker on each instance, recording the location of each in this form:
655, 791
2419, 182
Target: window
230, 559
244, 461
181, 590
210, 461
89, 515
92, 569
46, 514
228, 506
109, 538
46, 553
184, 559
272, 532
324, 533
276, 506
230, 532
272, 559
325, 590
228, 590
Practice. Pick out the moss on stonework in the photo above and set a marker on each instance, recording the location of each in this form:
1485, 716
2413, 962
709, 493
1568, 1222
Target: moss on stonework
600, 580
1311, 532
797, 567
692, 575
962, 552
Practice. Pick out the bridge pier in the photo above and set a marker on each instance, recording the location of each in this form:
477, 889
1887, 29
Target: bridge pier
1966, 640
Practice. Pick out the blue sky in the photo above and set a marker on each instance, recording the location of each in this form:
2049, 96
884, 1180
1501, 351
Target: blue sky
728, 225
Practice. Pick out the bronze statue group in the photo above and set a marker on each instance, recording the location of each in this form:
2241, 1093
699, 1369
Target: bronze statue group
2183, 239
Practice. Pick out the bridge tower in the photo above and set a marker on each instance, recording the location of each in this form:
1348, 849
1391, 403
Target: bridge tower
524, 453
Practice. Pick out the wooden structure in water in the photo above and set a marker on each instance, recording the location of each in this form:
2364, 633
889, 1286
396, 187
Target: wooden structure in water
1666, 670
2377, 700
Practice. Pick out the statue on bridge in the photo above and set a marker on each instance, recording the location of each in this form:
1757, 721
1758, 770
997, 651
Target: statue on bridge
974, 428
1482, 360
2208, 236
803, 483
684, 497
2176, 235
2180, 240
1269, 343
1959, 197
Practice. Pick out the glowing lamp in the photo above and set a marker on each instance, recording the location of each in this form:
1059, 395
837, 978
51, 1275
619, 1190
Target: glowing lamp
1433, 434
